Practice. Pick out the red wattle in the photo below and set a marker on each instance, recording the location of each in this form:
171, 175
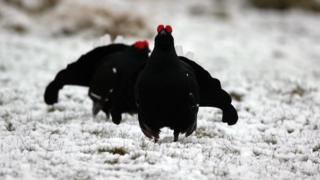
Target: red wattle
160, 27
138, 45
141, 44
168, 28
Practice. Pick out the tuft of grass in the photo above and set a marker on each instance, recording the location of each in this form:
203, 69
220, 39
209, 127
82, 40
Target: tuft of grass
101, 133
28, 148
17, 28
143, 144
237, 96
290, 131
256, 152
55, 132
231, 150
271, 140
316, 148
298, 90
97, 133
135, 156
103, 150
202, 132
9, 126
112, 161
50, 109
116, 150
53, 108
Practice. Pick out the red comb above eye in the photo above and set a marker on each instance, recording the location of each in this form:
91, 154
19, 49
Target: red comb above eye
138, 45
168, 28
141, 44
160, 27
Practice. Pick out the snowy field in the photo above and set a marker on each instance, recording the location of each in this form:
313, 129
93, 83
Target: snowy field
269, 61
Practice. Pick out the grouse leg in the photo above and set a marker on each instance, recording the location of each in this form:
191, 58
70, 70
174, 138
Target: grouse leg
176, 136
116, 116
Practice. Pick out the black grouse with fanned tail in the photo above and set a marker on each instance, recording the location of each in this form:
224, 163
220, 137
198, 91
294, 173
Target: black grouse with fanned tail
167, 91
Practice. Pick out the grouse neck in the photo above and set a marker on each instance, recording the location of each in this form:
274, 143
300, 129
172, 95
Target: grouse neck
163, 56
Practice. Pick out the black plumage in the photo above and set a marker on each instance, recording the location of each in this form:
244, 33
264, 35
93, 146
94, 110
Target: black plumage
100, 61
79, 72
167, 91
211, 93
112, 85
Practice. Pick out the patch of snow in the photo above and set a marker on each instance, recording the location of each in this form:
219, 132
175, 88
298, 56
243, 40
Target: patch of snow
269, 60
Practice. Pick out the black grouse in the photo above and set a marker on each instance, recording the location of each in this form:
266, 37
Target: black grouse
167, 92
79, 72
112, 85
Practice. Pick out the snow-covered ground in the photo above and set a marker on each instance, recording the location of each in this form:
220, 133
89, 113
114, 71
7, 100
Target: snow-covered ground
269, 61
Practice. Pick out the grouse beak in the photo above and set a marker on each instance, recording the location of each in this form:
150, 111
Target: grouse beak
96, 107
162, 32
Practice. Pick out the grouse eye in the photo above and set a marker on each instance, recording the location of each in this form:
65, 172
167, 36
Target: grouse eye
160, 28
168, 28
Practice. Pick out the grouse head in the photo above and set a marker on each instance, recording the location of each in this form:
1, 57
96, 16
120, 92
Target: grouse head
142, 46
164, 39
